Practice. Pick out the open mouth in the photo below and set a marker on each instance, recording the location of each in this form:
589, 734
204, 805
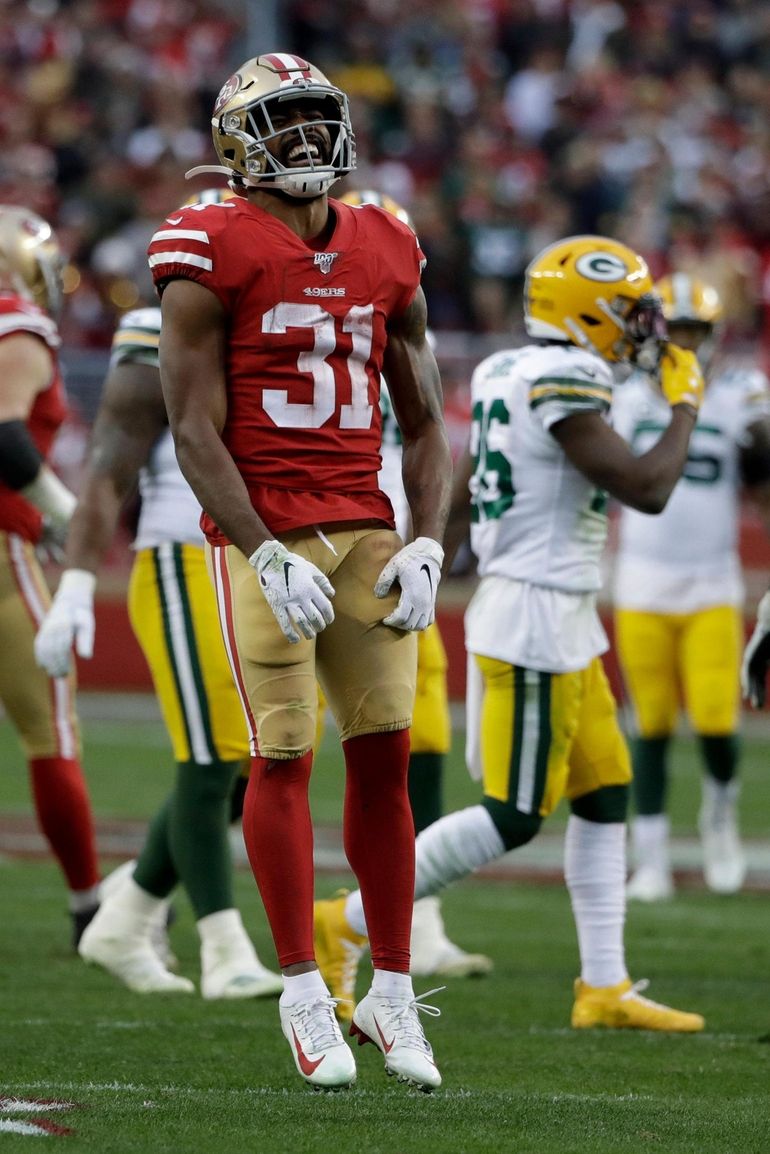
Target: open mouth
303, 154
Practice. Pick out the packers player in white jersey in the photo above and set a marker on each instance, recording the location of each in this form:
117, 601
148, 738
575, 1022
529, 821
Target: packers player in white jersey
678, 593
174, 616
542, 460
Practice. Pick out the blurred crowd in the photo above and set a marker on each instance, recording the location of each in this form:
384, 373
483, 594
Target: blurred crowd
500, 124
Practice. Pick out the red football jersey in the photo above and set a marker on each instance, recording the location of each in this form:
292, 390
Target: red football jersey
306, 335
18, 315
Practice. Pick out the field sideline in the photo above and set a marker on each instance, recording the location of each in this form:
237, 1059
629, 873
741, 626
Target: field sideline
119, 1072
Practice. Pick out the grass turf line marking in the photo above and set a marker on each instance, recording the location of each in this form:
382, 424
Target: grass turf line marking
29, 1105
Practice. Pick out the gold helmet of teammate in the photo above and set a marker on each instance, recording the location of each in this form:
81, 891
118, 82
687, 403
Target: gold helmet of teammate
688, 300
31, 262
595, 293
379, 200
251, 136
693, 312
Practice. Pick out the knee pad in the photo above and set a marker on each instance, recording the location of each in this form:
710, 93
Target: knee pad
515, 828
608, 804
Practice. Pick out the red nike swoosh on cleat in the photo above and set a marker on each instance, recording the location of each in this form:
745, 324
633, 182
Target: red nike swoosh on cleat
305, 1064
387, 1046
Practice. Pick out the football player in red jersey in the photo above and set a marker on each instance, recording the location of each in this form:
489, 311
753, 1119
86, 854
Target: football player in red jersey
281, 309
34, 509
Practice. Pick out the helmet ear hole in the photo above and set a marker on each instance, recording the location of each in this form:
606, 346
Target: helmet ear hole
587, 319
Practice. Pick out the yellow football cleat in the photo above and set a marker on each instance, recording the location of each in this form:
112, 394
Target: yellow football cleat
622, 1007
338, 950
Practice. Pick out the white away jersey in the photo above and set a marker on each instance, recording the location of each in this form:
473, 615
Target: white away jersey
391, 481
686, 558
170, 510
538, 525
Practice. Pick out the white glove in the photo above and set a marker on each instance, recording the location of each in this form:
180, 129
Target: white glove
417, 568
295, 589
50, 547
69, 620
756, 656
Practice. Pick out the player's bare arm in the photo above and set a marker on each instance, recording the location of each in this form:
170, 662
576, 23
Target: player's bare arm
25, 370
192, 345
459, 519
646, 482
131, 417
415, 387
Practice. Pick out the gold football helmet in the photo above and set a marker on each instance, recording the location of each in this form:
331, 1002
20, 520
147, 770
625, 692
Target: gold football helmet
693, 312
595, 293
243, 127
379, 200
31, 262
688, 300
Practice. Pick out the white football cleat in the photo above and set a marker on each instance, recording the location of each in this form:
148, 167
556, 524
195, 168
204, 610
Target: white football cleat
432, 951
650, 884
130, 957
724, 862
321, 1054
161, 919
228, 974
394, 1026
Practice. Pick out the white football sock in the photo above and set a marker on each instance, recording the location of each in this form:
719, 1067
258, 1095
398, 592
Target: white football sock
303, 987
453, 847
650, 837
224, 934
449, 849
595, 872
389, 984
80, 900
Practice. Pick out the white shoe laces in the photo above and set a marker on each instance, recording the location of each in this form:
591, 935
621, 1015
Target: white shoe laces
316, 1024
404, 1017
352, 956
635, 994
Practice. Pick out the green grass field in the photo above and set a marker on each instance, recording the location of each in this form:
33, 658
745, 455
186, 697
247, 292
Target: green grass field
156, 1075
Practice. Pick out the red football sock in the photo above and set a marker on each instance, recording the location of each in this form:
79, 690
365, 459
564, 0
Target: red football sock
64, 814
278, 834
379, 841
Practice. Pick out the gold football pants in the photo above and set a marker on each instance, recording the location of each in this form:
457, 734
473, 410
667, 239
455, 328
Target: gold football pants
367, 670
41, 708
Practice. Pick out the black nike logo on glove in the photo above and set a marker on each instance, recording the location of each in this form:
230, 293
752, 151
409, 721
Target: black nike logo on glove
426, 569
287, 565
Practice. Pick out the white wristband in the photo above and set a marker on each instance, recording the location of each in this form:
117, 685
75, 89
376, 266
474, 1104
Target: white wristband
763, 611
51, 496
77, 581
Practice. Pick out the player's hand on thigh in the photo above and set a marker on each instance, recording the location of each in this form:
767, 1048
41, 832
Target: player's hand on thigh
417, 568
296, 590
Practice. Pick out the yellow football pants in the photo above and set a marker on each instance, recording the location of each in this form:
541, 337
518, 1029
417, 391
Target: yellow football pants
545, 736
666, 658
